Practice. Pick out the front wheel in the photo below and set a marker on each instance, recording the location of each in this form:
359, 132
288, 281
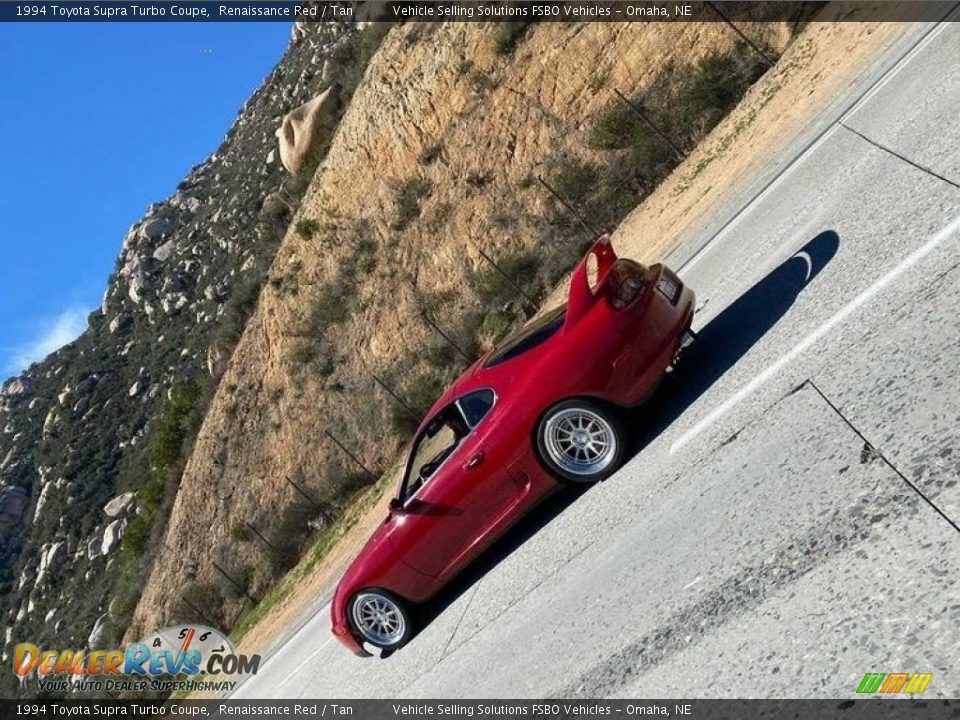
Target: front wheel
581, 441
381, 619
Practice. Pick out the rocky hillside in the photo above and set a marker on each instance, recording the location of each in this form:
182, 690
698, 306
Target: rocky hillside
425, 220
93, 438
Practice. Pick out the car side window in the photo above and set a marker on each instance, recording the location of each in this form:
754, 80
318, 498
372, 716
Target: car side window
476, 404
436, 443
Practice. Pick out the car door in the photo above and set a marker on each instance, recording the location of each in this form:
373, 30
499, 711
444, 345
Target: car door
463, 497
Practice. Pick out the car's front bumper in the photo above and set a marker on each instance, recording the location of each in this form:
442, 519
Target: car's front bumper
344, 634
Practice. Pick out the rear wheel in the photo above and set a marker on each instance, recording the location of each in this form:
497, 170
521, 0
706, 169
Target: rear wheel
381, 619
581, 441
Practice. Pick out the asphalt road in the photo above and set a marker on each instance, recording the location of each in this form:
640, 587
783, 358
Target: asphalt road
790, 520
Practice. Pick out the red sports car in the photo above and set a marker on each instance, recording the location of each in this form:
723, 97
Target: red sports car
540, 410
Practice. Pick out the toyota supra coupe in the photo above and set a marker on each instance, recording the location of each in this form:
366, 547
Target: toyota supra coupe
541, 410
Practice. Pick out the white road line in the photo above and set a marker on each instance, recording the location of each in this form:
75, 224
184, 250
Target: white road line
900, 64
827, 132
300, 667
946, 232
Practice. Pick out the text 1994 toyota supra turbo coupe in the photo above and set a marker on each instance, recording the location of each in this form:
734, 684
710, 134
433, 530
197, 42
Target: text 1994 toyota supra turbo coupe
540, 410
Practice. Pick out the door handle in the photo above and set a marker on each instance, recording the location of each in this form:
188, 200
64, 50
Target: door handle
474, 461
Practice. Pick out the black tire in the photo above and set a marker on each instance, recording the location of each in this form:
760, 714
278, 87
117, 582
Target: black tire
363, 614
601, 421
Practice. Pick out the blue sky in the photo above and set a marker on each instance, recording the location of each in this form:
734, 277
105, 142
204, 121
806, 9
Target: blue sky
97, 122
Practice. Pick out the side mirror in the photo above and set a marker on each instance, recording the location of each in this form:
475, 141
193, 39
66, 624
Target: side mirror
395, 506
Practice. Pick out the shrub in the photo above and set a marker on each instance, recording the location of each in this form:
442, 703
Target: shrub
289, 535
332, 306
517, 272
136, 536
509, 35
306, 227
238, 586
324, 365
365, 257
179, 418
300, 353
495, 326
241, 533
477, 178
407, 198
238, 308
573, 177
616, 128
440, 355
430, 154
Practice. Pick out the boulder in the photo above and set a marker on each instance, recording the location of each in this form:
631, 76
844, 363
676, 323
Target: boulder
217, 360
27, 576
274, 206
305, 130
52, 558
120, 322
140, 283
155, 229
98, 636
119, 505
112, 535
164, 251
93, 547
42, 501
50, 423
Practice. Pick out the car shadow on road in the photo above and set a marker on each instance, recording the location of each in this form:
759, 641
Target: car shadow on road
718, 347
729, 336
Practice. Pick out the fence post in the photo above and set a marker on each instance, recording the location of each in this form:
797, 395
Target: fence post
198, 611
506, 277
300, 490
431, 323
353, 457
396, 397
233, 582
739, 32
643, 116
265, 541
592, 231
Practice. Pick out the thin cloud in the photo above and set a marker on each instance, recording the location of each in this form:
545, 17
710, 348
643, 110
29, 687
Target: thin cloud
67, 326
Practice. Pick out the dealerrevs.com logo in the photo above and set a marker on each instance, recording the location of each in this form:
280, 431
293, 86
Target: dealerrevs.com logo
894, 683
170, 659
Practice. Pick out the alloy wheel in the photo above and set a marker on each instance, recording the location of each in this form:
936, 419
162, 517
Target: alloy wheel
580, 441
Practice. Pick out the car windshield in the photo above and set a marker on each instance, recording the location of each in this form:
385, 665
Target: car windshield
434, 445
529, 337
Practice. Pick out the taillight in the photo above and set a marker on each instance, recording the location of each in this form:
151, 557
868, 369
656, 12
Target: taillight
625, 282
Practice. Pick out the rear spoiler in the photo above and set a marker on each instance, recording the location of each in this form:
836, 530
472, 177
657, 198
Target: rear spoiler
582, 297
